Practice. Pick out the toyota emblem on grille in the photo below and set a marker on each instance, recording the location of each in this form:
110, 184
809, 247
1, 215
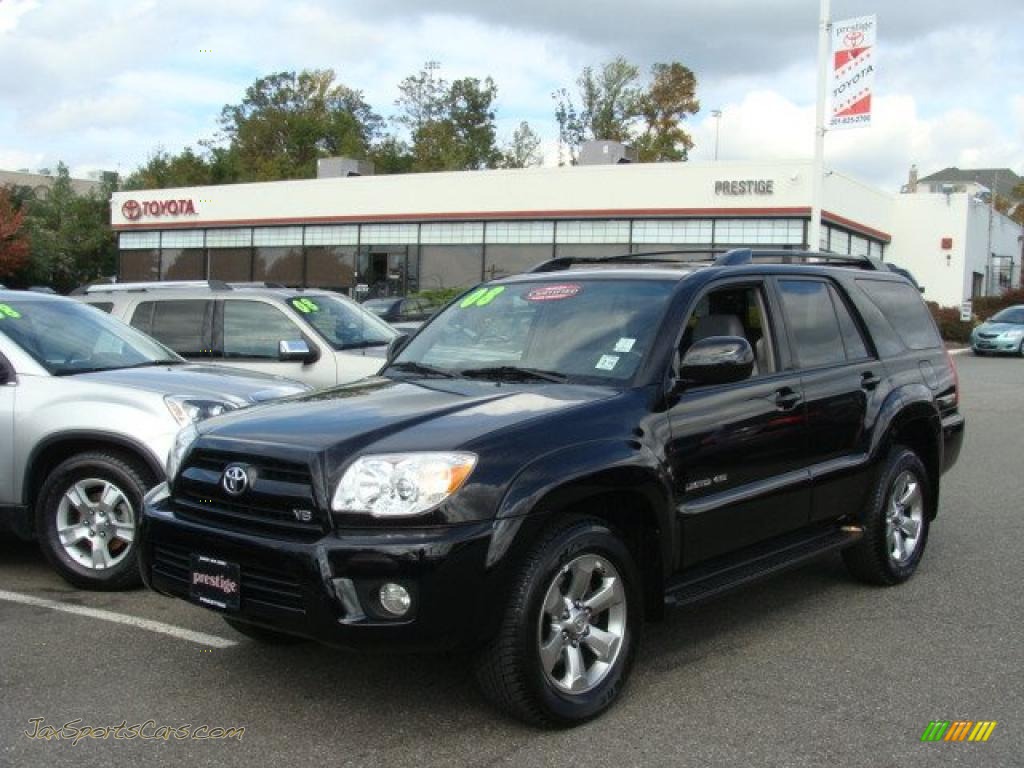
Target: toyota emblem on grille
235, 479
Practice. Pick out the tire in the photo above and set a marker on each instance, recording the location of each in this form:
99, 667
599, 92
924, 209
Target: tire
527, 668
1020, 349
92, 501
895, 523
262, 634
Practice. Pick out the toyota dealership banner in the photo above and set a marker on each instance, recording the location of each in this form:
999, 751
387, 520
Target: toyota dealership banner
853, 72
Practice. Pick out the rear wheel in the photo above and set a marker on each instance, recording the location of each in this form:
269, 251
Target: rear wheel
87, 519
570, 630
896, 523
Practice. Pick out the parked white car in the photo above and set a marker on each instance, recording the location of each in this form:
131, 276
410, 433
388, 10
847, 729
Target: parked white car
89, 409
318, 337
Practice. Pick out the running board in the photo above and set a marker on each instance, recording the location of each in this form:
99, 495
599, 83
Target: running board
723, 574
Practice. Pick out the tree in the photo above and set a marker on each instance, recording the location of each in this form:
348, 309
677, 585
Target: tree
14, 244
524, 149
287, 120
614, 105
451, 125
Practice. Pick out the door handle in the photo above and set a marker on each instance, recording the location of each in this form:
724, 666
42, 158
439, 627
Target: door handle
786, 399
869, 381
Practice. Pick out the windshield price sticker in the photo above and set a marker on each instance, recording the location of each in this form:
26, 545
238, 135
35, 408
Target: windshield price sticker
607, 363
305, 305
482, 297
6, 311
624, 344
554, 292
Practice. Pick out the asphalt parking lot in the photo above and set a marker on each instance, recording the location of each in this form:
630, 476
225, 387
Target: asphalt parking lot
808, 669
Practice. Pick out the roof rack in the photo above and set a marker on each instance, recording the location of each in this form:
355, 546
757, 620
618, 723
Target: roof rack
213, 285
741, 256
644, 257
257, 284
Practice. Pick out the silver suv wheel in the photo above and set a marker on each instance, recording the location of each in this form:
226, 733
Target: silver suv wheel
96, 523
904, 518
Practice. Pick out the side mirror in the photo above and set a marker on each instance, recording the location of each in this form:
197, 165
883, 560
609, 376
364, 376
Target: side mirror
716, 360
396, 345
295, 350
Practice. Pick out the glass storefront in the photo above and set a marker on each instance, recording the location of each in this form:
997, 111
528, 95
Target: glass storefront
369, 260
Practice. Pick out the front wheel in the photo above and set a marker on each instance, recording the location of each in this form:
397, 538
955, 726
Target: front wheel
570, 631
87, 519
896, 523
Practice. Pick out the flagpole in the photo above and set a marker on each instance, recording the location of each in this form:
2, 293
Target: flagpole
818, 171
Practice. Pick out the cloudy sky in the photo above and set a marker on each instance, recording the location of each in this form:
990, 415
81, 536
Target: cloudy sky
100, 84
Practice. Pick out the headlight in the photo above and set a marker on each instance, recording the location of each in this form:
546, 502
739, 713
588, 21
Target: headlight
401, 484
182, 443
1014, 335
188, 410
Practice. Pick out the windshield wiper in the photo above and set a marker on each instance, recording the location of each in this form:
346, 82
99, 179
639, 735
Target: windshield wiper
147, 363
513, 373
423, 370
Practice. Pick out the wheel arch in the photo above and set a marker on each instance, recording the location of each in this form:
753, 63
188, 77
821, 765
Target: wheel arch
54, 449
918, 426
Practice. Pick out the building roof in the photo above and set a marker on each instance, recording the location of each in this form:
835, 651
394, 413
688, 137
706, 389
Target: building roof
38, 181
1000, 180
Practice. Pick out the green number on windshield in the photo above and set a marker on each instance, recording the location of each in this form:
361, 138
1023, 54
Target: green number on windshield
305, 305
481, 297
6, 311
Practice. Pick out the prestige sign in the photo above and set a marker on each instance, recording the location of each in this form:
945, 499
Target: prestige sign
134, 210
745, 187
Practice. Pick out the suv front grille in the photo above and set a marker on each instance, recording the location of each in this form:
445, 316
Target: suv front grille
280, 500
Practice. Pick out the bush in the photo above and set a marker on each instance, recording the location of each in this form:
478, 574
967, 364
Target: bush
986, 306
950, 325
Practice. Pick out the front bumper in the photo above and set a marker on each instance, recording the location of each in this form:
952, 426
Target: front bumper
996, 346
326, 589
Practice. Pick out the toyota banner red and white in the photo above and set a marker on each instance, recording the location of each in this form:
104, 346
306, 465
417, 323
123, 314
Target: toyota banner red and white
853, 72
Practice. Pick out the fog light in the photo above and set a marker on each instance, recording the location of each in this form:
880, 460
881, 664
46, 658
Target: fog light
395, 599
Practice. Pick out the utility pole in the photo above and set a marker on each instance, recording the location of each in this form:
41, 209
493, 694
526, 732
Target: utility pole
818, 171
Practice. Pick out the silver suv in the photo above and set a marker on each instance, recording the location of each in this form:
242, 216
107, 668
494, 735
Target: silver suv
88, 411
317, 337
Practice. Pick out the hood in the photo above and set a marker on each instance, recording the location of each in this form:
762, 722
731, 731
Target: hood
203, 381
398, 415
999, 327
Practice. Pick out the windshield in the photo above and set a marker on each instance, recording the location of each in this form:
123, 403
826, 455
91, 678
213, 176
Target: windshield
67, 337
1009, 315
379, 306
582, 330
342, 323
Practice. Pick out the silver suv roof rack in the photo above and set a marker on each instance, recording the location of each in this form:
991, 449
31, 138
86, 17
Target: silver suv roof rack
213, 285
742, 256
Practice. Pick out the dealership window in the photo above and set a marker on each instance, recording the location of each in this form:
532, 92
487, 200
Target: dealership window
840, 241
502, 260
342, 234
759, 232
586, 231
140, 265
449, 266
388, 234
590, 251
520, 232
858, 246
330, 267
229, 238
660, 231
182, 264
452, 233
277, 264
232, 265
182, 238
269, 236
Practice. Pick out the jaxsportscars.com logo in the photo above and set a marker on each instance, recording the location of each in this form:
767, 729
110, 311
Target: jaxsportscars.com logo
133, 210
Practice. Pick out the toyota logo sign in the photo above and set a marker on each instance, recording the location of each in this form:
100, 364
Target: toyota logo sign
131, 210
235, 479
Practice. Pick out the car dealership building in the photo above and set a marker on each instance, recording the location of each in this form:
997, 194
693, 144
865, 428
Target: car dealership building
388, 235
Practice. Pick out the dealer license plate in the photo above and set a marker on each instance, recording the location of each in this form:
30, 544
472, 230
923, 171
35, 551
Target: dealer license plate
215, 583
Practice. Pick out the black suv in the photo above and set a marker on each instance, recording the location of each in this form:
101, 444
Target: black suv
557, 456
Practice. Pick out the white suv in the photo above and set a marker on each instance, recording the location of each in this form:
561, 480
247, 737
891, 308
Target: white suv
317, 337
89, 409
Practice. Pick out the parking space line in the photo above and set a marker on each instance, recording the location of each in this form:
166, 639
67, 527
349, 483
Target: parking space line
201, 638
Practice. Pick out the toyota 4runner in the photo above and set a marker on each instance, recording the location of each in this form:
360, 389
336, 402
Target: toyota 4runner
557, 456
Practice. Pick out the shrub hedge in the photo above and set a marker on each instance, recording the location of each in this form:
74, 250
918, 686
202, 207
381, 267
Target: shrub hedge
953, 329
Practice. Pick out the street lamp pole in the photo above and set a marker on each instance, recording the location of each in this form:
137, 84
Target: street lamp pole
717, 114
818, 171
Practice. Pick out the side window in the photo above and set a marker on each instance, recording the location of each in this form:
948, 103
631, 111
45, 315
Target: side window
254, 329
812, 322
142, 317
734, 311
181, 325
856, 349
903, 308
105, 306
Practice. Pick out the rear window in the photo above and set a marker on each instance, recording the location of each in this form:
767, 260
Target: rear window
183, 325
902, 306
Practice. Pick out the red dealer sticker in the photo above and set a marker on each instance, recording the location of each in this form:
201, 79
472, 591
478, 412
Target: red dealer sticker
554, 292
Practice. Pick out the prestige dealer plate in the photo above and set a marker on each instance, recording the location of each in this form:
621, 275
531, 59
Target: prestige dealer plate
215, 583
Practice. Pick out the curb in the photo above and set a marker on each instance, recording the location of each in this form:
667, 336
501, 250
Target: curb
959, 351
